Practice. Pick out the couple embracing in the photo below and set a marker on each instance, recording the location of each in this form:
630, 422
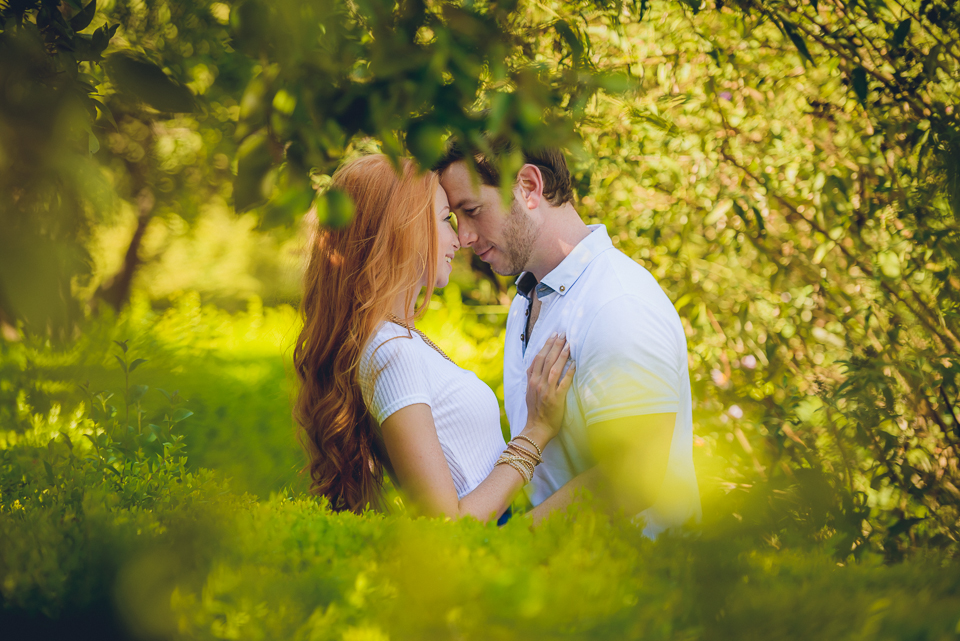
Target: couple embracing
596, 386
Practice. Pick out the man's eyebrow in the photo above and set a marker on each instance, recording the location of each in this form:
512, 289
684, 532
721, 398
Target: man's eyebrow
463, 201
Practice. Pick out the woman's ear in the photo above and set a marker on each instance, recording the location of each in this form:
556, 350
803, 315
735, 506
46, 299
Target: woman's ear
530, 181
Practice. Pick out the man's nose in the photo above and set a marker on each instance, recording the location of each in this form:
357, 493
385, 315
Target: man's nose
465, 234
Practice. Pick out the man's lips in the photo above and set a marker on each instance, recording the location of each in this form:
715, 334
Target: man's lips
482, 255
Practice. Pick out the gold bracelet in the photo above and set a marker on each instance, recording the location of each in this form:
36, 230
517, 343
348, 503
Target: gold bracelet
519, 449
531, 442
513, 448
519, 468
519, 459
514, 461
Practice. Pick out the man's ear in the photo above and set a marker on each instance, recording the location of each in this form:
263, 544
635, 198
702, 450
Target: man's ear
530, 182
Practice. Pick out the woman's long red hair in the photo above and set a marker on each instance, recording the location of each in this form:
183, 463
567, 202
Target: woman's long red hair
352, 281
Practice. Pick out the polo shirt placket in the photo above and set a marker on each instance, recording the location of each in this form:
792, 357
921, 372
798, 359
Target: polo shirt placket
524, 343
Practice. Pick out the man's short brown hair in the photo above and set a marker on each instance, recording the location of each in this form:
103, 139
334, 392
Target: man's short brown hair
557, 187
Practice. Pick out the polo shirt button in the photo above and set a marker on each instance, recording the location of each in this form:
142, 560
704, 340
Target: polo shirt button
521, 336
562, 288
526, 312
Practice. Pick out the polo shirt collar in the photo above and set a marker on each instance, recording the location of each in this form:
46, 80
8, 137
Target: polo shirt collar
564, 275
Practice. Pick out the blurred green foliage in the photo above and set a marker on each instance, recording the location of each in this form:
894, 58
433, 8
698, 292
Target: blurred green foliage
789, 174
252, 103
229, 373
108, 532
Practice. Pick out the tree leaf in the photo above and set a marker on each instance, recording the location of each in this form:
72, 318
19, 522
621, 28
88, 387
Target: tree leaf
137, 363
289, 204
82, 20
571, 38
860, 86
932, 62
900, 35
148, 83
340, 208
253, 164
180, 415
644, 6
426, 142
99, 41
761, 228
797, 40
137, 392
903, 525
104, 112
655, 120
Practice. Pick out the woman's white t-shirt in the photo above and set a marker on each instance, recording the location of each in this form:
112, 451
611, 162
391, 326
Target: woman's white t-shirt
399, 369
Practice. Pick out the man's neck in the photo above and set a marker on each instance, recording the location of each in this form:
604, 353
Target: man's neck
561, 231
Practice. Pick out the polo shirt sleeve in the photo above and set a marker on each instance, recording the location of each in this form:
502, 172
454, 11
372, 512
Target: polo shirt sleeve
630, 361
392, 377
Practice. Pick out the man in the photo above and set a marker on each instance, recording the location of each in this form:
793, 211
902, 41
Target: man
628, 429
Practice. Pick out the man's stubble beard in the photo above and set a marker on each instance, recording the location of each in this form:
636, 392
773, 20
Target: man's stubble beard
519, 234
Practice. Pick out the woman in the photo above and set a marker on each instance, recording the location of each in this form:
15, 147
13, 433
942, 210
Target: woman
376, 394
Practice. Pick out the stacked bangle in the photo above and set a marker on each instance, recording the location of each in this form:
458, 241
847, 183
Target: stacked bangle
521, 458
516, 448
530, 441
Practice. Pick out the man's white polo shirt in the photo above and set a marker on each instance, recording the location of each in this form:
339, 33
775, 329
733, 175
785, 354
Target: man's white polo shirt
631, 356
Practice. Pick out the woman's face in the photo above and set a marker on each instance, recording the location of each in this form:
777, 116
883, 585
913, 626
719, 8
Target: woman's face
447, 243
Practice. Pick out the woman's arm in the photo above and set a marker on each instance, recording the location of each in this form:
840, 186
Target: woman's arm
410, 437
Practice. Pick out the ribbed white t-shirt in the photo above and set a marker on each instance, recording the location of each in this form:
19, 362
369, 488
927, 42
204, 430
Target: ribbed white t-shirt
398, 369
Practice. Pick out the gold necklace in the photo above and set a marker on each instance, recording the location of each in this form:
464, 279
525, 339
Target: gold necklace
397, 321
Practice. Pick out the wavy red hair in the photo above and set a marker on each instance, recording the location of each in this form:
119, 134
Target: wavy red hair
352, 282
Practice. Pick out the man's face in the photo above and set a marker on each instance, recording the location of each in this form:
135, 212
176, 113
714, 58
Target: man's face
503, 239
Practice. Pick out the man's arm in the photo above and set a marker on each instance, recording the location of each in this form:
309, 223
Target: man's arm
631, 455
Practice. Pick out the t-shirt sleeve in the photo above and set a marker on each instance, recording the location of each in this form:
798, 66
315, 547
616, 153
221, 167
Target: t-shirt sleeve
391, 377
629, 361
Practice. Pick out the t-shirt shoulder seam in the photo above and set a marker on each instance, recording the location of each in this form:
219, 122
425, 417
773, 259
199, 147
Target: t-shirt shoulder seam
368, 359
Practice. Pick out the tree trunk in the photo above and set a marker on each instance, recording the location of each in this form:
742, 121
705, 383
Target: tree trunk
116, 292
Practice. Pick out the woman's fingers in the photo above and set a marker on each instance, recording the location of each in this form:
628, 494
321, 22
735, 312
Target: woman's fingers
558, 344
550, 352
536, 368
553, 376
566, 381
548, 365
